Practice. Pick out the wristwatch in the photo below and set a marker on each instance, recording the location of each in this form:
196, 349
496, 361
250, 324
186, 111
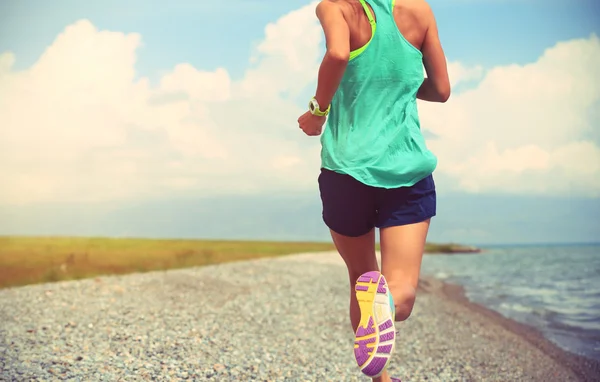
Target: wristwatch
313, 106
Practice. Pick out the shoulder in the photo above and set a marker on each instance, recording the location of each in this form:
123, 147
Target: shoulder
424, 10
418, 10
326, 8
418, 5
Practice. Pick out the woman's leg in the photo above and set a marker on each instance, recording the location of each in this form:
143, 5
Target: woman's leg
401, 254
405, 215
349, 211
359, 255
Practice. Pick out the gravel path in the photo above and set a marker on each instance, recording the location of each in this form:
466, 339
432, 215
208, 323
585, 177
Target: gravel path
279, 319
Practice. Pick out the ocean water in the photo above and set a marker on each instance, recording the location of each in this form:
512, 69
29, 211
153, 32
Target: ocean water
553, 288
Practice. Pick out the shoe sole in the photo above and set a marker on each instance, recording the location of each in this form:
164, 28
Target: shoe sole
376, 333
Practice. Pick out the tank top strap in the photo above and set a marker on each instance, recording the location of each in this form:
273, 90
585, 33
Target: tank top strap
368, 12
384, 9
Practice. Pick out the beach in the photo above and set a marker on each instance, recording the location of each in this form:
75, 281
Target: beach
272, 319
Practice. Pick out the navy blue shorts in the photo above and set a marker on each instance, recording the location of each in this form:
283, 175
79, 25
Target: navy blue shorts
351, 208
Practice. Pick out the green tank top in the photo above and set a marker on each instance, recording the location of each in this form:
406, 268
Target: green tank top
373, 132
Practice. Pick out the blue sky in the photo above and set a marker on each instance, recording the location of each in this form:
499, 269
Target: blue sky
207, 35
82, 129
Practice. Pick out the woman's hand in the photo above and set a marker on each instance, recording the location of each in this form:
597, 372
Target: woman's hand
312, 125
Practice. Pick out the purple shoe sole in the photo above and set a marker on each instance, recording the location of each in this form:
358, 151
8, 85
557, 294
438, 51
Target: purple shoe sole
374, 342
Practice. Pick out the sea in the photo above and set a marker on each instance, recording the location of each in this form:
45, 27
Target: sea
554, 288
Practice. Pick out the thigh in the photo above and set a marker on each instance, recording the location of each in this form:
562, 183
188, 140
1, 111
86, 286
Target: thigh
402, 252
357, 252
404, 216
348, 205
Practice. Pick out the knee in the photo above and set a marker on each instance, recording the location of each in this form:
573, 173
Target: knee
404, 296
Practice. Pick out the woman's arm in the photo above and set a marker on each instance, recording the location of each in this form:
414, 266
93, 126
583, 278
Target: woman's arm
337, 39
436, 87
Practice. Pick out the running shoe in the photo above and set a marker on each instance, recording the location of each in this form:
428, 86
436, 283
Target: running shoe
376, 333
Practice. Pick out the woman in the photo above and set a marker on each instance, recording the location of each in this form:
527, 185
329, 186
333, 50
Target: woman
376, 169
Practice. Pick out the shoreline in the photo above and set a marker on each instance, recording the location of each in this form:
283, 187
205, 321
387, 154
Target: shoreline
586, 369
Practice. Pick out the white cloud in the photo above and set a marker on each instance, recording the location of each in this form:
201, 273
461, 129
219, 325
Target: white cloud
287, 60
459, 73
525, 129
78, 126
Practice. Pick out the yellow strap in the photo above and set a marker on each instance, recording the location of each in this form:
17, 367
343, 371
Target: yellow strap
368, 12
357, 52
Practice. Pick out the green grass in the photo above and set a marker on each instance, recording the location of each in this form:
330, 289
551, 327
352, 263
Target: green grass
30, 260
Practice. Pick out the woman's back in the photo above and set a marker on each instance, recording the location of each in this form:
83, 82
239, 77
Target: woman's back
373, 131
411, 17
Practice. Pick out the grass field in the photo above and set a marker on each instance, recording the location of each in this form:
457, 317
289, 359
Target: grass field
29, 260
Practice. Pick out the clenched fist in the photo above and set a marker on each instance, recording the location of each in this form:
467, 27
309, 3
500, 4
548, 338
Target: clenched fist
312, 125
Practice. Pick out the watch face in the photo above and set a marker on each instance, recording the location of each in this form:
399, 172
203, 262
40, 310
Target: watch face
311, 106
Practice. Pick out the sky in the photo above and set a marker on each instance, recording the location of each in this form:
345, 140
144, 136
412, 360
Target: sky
145, 119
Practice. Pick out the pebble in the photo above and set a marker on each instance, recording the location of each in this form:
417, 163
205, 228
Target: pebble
283, 319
